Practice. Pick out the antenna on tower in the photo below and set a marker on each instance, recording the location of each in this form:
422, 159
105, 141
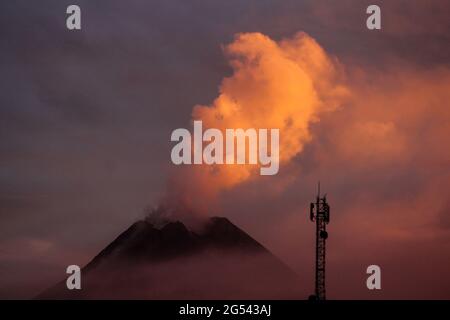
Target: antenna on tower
320, 213
318, 189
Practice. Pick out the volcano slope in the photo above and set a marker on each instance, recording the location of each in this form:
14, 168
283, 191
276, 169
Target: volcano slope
172, 262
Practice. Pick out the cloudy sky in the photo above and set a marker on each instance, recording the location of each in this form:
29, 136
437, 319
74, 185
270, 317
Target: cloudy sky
86, 118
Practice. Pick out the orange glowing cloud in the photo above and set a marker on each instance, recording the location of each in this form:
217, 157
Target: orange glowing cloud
283, 85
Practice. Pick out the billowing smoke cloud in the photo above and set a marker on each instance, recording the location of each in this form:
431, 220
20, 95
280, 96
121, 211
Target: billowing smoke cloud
285, 85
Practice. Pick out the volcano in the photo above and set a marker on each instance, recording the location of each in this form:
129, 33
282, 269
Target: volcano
172, 262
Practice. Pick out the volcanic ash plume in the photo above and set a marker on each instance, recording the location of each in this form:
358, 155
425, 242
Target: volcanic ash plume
285, 85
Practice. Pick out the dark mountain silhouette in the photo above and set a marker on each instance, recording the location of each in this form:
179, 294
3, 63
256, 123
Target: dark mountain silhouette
219, 262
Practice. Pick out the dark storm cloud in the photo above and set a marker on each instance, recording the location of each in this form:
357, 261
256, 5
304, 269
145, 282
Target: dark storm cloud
86, 116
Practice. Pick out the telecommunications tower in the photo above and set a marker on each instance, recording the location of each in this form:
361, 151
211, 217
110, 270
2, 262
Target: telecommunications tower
320, 213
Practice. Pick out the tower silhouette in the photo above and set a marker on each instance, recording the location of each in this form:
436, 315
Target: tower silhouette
320, 213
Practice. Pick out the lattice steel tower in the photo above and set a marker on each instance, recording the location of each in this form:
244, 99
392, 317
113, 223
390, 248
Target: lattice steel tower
320, 213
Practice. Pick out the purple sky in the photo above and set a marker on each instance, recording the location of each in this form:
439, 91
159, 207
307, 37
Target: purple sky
86, 117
